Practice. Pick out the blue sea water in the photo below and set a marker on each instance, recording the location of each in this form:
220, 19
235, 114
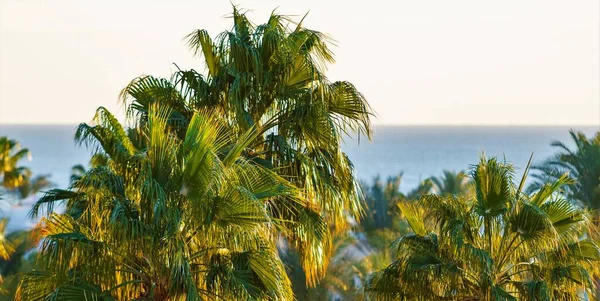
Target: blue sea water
417, 151
423, 151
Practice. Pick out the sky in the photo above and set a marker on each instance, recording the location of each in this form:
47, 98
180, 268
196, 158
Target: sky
524, 62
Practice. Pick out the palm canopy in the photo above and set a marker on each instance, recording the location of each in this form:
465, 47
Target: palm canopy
582, 165
167, 218
272, 76
498, 244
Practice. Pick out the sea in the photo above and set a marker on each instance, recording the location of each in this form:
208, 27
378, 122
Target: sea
416, 152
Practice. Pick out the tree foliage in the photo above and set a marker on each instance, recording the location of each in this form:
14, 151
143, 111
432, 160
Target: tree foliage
498, 244
581, 166
18, 181
272, 77
166, 218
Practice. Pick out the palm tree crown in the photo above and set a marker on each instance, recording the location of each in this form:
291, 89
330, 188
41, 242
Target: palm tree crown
272, 76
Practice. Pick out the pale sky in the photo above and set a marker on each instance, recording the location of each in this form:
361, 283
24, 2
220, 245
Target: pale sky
418, 62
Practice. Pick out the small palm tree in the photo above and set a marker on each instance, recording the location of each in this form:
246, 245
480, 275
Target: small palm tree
344, 271
21, 260
499, 244
18, 180
582, 165
12, 174
381, 199
451, 183
16, 184
32, 185
167, 218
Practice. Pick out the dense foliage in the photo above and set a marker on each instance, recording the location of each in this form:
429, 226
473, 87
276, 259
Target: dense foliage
230, 184
165, 219
498, 244
190, 201
16, 183
271, 76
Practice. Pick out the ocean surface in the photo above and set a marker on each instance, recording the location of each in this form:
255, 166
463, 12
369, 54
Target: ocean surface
416, 151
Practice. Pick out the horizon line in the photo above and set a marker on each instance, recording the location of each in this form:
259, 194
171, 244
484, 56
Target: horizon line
376, 124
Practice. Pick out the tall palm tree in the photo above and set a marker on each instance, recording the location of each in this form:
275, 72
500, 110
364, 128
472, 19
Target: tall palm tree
582, 165
272, 76
167, 218
499, 244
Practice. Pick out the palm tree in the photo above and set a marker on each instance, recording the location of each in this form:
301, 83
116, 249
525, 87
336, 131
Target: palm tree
32, 185
582, 165
16, 183
380, 200
18, 180
451, 183
20, 260
168, 218
499, 244
272, 76
12, 175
